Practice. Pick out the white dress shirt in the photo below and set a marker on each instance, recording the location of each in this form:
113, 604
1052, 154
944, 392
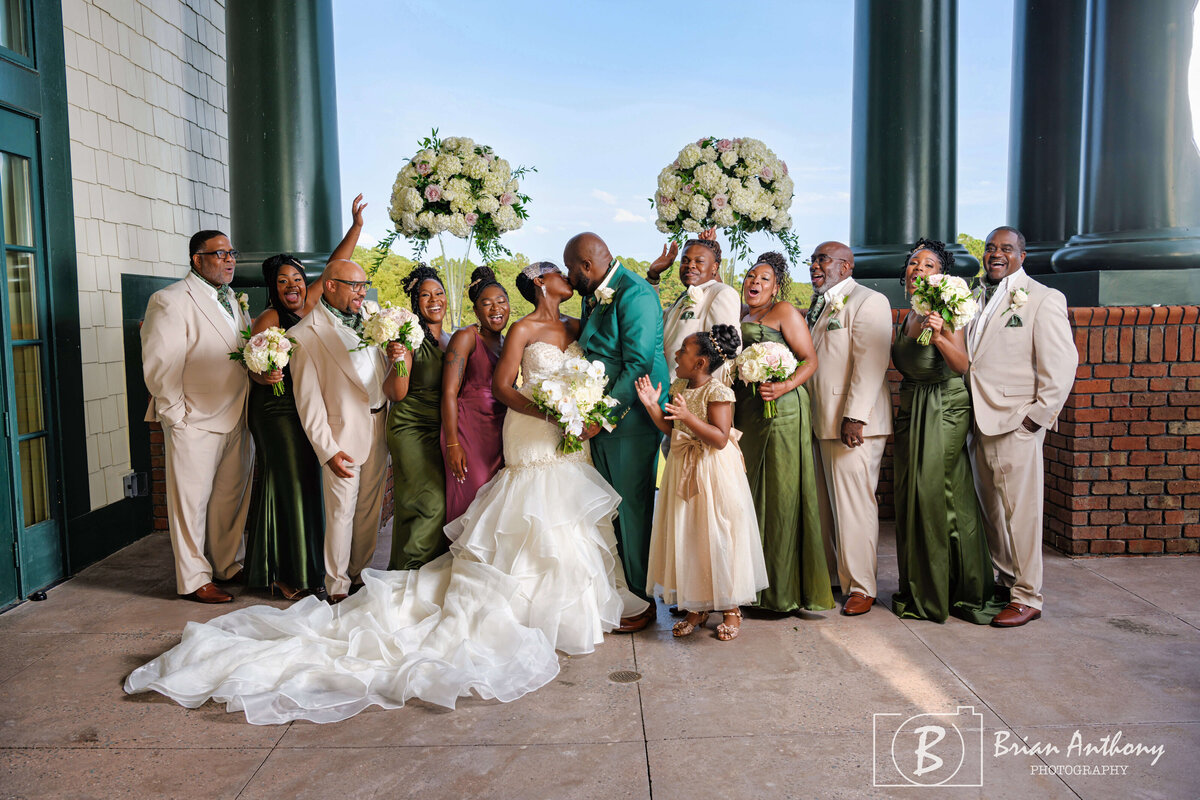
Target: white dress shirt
207, 290
1000, 297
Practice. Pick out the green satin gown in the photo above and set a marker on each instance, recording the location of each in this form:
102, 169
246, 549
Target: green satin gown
286, 537
418, 472
941, 548
779, 464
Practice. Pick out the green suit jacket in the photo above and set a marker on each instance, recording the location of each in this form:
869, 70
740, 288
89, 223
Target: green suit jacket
626, 336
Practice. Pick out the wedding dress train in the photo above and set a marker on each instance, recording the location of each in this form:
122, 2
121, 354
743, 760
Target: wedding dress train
533, 568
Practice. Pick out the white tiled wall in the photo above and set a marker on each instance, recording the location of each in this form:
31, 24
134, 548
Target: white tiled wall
149, 148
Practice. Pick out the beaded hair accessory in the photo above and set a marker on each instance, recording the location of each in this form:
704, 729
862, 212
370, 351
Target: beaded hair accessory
537, 269
717, 345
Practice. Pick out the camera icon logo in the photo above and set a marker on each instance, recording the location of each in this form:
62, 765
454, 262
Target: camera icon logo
929, 749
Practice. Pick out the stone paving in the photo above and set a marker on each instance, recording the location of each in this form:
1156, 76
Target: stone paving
785, 711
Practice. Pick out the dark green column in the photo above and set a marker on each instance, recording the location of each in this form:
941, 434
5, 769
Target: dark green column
1140, 181
903, 151
283, 147
1046, 125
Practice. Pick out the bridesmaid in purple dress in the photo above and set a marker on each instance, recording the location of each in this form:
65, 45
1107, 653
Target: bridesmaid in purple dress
471, 418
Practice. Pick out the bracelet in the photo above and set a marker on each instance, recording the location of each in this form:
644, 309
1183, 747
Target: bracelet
653, 281
453, 444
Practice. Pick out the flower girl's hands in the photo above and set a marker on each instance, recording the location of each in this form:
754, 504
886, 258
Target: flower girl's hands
677, 410
456, 460
647, 392
663, 263
356, 211
395, 352
935, 323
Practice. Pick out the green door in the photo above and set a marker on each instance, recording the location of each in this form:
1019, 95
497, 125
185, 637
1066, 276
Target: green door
29, 528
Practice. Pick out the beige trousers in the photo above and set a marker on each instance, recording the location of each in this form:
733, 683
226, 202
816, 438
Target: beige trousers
208, 498
352, 508
847, 478
1010, 486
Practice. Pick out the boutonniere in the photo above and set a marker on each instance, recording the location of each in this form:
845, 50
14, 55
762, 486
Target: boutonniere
1016, 299
243, 300
835, 307
604, 295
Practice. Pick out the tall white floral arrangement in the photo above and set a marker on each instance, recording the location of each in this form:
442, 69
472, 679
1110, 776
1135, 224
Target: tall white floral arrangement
738, 185
458, 187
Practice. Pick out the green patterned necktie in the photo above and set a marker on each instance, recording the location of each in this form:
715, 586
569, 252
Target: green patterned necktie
351, 321
989, 289
223, 293
814, 312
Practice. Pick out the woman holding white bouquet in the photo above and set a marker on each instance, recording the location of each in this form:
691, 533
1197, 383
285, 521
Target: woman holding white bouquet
942, 551
414, 429
775, 419
286, 534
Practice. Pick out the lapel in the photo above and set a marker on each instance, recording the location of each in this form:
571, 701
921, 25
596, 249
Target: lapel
327, 335
1000, 318
215, 316
822, 322
593, 319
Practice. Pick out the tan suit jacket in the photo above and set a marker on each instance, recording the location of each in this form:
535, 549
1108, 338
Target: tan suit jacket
852, 362
720, 305
1023, 371
186, 342
333, 404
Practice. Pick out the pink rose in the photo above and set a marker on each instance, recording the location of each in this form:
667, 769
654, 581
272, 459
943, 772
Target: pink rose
472, 218
720, 201
423, 168
258, 341
784, 165
507, 199
687, 188
700, 142
724, 145
766, 173
935, 278
433, 193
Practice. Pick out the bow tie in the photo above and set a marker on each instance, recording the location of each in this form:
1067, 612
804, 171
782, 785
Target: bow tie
815, 311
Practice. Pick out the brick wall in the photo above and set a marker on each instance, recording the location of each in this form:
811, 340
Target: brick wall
1123, 468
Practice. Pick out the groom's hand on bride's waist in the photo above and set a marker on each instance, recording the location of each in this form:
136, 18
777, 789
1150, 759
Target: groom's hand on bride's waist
591, 430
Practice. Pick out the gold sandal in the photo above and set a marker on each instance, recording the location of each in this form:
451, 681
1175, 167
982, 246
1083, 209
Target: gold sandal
687, 625
727, 632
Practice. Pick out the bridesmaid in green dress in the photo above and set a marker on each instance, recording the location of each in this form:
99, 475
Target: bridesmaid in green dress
286, 537
779, 451
414, 428
940, 545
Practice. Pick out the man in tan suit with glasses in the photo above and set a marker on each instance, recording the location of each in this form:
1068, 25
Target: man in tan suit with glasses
339, 396
1023, 362
851, 329
198, 395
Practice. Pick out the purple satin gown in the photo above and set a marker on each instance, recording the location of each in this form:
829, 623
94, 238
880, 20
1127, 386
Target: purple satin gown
480, 421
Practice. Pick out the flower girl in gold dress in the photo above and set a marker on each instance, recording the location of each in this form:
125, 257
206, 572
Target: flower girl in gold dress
705, 551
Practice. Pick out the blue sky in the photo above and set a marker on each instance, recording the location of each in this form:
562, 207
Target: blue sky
600, 96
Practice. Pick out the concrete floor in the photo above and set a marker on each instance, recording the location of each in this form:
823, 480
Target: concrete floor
786, 711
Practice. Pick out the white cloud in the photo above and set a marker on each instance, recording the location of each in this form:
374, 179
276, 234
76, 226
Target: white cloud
604, 197
623, 215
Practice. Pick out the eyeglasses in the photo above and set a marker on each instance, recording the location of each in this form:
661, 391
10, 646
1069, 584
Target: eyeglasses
355, 286
220, 254
822, 260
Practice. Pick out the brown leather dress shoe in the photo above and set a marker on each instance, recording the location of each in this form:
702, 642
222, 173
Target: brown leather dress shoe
1015, 615
209, 593
639, 622
857, 603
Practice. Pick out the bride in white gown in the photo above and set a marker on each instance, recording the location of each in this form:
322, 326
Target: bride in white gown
533, 567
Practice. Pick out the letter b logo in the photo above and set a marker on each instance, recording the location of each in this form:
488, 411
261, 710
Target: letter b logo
929, 749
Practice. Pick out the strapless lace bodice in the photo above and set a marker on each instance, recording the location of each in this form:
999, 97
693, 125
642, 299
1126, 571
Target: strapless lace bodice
542, 358
529, 441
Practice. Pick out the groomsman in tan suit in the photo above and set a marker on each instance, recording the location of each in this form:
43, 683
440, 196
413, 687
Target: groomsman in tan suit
706, 302
1023, 362
199, 397
339, 396
852, 414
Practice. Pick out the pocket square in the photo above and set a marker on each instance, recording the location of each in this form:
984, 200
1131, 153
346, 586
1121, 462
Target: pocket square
833, 325
1014, 322
689, 314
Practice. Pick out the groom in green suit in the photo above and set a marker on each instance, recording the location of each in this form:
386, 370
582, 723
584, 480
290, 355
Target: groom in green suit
622, 329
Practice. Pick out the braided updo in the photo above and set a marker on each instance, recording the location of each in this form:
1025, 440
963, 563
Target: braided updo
482, 278
944, 256
779, 266
718, 345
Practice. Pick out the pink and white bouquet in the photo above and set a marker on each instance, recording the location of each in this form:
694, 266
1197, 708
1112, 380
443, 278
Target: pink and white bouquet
766, 361
946, 295
266, 352
574, 395
382, 325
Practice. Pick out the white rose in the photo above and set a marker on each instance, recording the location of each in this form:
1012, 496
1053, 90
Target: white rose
605, 296
1019, 298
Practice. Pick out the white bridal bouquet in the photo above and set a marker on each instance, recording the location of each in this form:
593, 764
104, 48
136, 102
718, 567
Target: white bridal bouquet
738, 185
265, 352
949, 296
574, 395
385, 324
766, 361
456, 186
